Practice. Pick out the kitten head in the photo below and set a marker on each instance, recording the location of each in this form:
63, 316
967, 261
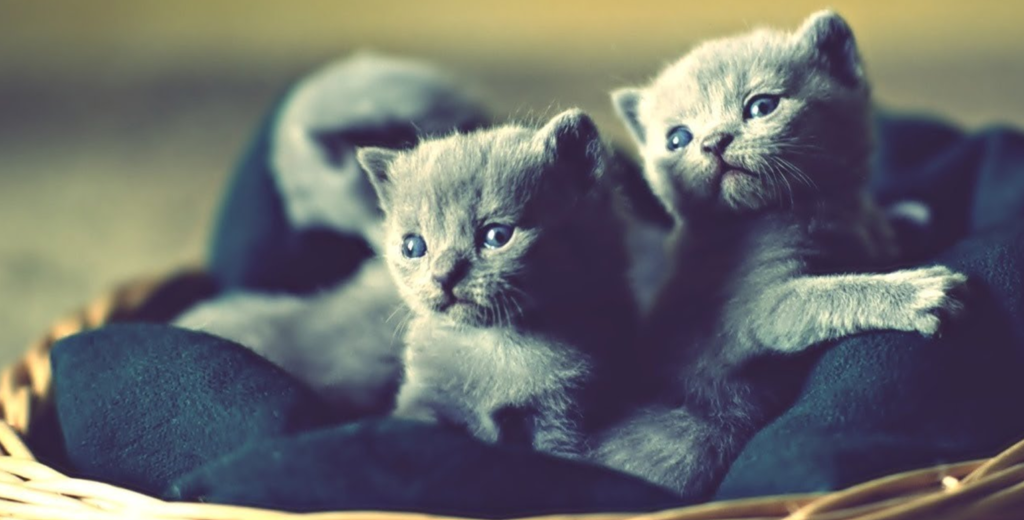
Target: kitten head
764, 120
479, 226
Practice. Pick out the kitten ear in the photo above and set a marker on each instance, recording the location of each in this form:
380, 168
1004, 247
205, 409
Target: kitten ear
831, 39
377, 163
571, 138
627, 105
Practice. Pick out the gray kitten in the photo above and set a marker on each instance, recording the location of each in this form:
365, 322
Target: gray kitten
759, 146
507, 246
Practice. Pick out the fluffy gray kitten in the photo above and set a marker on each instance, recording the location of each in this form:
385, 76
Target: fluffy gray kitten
507, 246
759, 146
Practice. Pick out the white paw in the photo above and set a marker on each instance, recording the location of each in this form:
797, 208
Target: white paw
934, 297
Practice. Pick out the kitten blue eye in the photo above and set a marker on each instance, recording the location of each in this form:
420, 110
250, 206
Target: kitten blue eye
760, 106
497, 235
678, 137
413, 246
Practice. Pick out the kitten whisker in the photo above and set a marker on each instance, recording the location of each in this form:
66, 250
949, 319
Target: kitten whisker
774, 172
398, 308
789, 188
505, 311
402, 326
806, 141
769, 174
508, 308
495, 306
795, 146
514, 293
519, 308
798, 173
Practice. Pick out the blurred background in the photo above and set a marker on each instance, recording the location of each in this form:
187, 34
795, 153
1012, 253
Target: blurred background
121, 120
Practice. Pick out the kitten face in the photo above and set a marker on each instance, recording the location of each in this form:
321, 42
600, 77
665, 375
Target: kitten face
471, 220
759, 121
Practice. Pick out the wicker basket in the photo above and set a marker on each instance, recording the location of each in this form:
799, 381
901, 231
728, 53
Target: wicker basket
991, 488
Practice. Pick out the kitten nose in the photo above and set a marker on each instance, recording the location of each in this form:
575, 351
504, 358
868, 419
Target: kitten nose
448, 270
716, 143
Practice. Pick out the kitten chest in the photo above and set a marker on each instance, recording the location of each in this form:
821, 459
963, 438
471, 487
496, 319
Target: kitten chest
491, 368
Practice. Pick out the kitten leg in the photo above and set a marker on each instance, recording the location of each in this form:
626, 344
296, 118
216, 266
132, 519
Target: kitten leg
556, 432
671, 447
416, 401
420, 401
812, 309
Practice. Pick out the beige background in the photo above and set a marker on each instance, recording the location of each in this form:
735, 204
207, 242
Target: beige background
120, 120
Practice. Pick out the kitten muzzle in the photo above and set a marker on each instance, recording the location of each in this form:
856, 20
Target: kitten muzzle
726, 168
721, 173
725, 185
446, 301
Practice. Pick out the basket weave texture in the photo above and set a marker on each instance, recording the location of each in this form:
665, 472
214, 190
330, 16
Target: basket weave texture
986, 489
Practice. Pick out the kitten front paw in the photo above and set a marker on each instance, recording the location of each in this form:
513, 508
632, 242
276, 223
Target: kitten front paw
935, 297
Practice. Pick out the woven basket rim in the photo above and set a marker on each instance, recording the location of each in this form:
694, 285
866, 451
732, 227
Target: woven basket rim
987, 488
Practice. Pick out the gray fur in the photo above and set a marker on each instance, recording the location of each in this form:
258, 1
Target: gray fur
517, 344
343, 343
767, 262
